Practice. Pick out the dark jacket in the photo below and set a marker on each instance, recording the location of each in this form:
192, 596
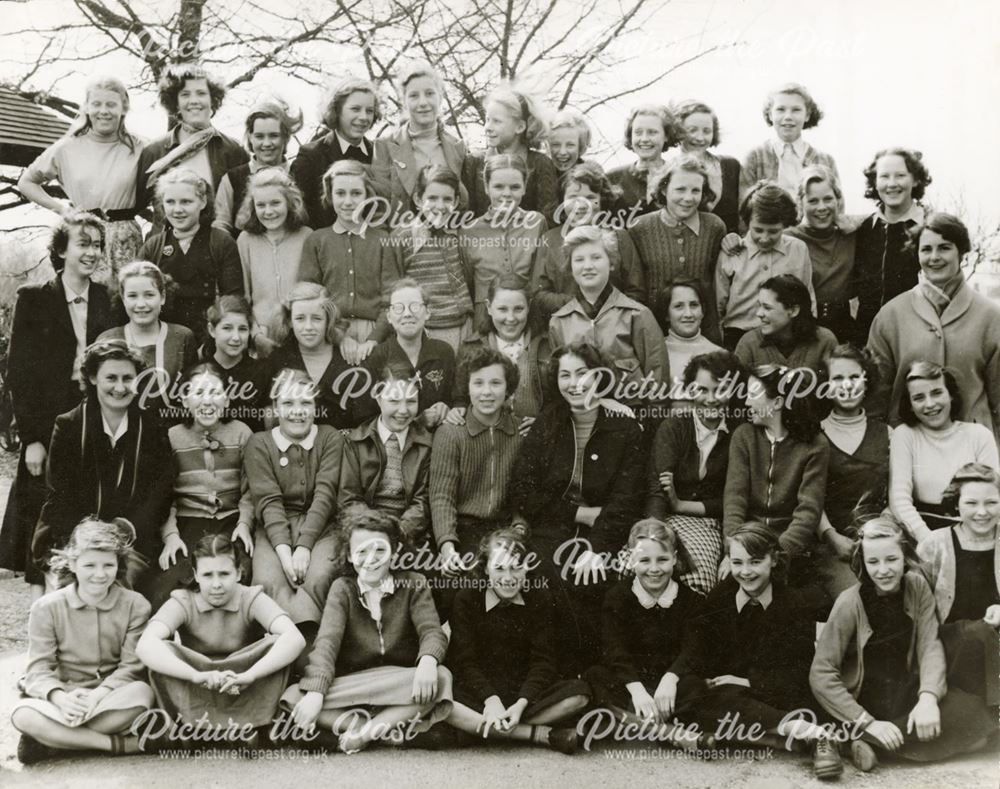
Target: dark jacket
541, 192
307, 170
87, 477
364, 463
224, 153
884, 266
675, 449
728, 207
43, 351
774, 654
613, 464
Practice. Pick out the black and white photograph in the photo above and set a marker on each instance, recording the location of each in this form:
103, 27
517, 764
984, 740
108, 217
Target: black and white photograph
500, 393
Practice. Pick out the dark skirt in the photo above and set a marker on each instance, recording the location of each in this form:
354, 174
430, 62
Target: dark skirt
608, 690
24, 505
972, 649
556, 693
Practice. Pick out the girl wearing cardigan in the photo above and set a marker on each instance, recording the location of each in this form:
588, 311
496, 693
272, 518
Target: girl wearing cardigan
929, 447
293, 471
777, 465
687, 468
380, 644
880, 667
576, 485
650, 131
502, 653
963, 566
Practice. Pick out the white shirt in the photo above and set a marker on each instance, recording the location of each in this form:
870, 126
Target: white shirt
78, 303
384, 433
706, 439
764, 598
512, 349
791, 156
371, 596
114, 435
646, 600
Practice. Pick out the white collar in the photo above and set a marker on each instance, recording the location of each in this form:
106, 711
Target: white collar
773, 438
915, 214
799, 147
493, 599
345, 144
386, 586
341, 229
701, 432
114, 435
283, 442
646, 600
520, 342
384, 433
72, 295
752, 249
692, 223
765, 598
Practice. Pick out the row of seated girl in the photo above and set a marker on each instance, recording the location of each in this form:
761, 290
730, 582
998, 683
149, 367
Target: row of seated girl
737, 667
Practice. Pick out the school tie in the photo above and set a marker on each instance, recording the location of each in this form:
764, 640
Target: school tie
789, 170
354, 152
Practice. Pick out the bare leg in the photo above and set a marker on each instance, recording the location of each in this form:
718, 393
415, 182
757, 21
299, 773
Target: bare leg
58, 735
471, 722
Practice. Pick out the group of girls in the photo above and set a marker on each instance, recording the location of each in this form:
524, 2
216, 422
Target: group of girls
671, 410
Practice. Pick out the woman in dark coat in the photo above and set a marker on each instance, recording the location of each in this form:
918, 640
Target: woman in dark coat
50, 329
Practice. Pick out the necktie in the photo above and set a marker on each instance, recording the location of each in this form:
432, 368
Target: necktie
78, 300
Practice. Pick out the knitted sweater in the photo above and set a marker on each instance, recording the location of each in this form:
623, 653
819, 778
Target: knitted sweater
762, 163
922, 463
781, 484
349, 640
210, 491
306, 485
270, 270
470, 470
938, 555
832, 259
671, 253
753, 349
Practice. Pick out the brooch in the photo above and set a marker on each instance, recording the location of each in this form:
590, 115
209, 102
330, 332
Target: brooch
209, 443
168, 250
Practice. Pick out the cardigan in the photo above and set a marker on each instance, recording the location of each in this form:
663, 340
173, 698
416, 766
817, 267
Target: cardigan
773, 656
201, 492
269, 272
675, 449
556, 286
541, 192
612, 476
527, 400
82, 478
471, 466
832, 261
781, 484
311, 163
508, 651
761, 163
210, 268
672, 253
922, 463
965, 338
349, 640
937, 552
838, 669
642, 644
755, 349
42, 354
305, 485
364, 462
395, 171
356, 270
73, 644
885, 267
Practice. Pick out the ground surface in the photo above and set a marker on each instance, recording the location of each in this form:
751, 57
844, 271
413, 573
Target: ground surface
608, 765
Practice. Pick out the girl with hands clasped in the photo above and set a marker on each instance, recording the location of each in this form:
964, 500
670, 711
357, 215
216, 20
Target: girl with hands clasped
380, 645
880, 666
293, 471
507, 684
211, 495
218, 669
642, 626
83, 683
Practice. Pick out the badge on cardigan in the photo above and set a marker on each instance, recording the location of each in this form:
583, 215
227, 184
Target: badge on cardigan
283, 461
168, 251
399, 164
